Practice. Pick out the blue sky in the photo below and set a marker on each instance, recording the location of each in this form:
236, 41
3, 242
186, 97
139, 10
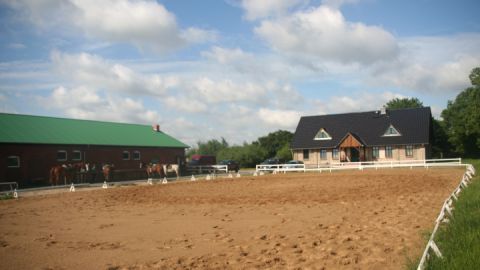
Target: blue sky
236, 69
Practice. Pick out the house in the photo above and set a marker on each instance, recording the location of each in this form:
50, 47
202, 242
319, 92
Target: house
31, 145
385, 135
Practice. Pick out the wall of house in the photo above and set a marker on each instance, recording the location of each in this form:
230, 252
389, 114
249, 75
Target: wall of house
398, 153
36, 160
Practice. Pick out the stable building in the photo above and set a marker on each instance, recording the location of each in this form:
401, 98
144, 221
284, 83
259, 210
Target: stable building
384, 135
31, 145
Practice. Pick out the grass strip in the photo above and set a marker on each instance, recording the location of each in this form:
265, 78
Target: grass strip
459, 240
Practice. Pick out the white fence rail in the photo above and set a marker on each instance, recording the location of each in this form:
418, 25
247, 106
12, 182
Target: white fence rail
445, 212
426, 163
208, 168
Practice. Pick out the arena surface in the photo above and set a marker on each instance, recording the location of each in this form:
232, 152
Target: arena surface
342, 220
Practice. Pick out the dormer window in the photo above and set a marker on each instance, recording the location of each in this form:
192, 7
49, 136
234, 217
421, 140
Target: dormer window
392, 131
322, 135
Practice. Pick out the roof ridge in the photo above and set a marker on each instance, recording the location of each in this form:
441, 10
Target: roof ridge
364, 112
74, 119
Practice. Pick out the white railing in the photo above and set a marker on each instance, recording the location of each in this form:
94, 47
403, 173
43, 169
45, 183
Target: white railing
426, 163
445, 212
208, 168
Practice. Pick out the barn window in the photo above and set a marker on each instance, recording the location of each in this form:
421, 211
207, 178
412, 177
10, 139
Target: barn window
13, 162
375, 152
388, 151
322, 135
335, 153
306, 154
323, 154
392, 131
76, 155
136, 155
126, 155
409, 150
61, 155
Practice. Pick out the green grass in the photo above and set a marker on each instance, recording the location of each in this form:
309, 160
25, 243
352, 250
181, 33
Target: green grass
6, 196
459, 240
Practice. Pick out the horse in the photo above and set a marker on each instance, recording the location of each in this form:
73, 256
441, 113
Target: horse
107, 170
56, 174
174, 167
80, 169
155, 168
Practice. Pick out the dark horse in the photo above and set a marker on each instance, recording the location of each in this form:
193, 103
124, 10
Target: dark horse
153, 169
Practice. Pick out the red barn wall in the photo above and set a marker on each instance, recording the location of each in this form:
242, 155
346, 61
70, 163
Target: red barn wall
36, 160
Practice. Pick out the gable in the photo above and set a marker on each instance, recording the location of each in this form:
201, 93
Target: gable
391, 131
350, 141
322, 134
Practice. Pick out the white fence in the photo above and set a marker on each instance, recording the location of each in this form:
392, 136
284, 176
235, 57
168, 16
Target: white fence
208, 168
426, 163
445, 212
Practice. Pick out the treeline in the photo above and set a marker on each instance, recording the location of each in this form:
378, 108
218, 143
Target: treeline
275, 144
457, 134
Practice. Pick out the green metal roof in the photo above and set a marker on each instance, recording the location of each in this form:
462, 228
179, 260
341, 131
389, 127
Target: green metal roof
16, 128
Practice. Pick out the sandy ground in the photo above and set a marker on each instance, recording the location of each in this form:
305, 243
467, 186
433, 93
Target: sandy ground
341, 220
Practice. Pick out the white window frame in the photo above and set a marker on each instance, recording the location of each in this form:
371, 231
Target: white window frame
73, 155
323, 154
375, 149
335, 153
66, 155
308, 154
319, 138
388, 154
18, 161
388, 134
139, 155
407, 150
125, 152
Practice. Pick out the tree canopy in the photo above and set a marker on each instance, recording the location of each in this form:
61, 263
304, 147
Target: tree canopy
462, 119
404, 103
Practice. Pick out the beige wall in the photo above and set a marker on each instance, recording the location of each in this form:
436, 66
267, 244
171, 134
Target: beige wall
398, 153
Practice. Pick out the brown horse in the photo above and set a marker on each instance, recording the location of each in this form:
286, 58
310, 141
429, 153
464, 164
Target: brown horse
155, 169
57, 172
107, 170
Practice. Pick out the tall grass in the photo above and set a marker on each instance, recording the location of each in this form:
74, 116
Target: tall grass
459, 240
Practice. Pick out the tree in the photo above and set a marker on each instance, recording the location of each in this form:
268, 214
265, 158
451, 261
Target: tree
462, 119
211, 147
404, 103
274, 141
284, 153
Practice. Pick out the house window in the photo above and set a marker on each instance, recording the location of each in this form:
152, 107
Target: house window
126, 155
323, 154
388, 151
136, 155
391, 131
409, 150
322, 135
13, 162
335, 153
306, 154
77, 155
61, 155
375, 152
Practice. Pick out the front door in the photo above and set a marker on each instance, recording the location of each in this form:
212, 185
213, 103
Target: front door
354, 155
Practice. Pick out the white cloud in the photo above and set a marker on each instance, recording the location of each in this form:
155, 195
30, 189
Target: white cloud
96, 72
355, 102
260, 9
279, 118
146, 24
431, 64
185, 104
227, 90
86, 103
17, 46
323, 34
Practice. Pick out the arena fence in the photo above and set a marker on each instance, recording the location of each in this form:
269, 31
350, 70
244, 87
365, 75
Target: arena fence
445, 212
426, 163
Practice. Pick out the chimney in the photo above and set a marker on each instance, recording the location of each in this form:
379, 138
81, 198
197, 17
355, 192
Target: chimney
383, 111
156, 127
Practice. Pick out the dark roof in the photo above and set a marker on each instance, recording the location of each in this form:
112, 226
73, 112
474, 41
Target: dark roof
368, 127
17, 128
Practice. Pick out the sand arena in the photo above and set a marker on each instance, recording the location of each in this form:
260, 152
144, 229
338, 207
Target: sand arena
342, 220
